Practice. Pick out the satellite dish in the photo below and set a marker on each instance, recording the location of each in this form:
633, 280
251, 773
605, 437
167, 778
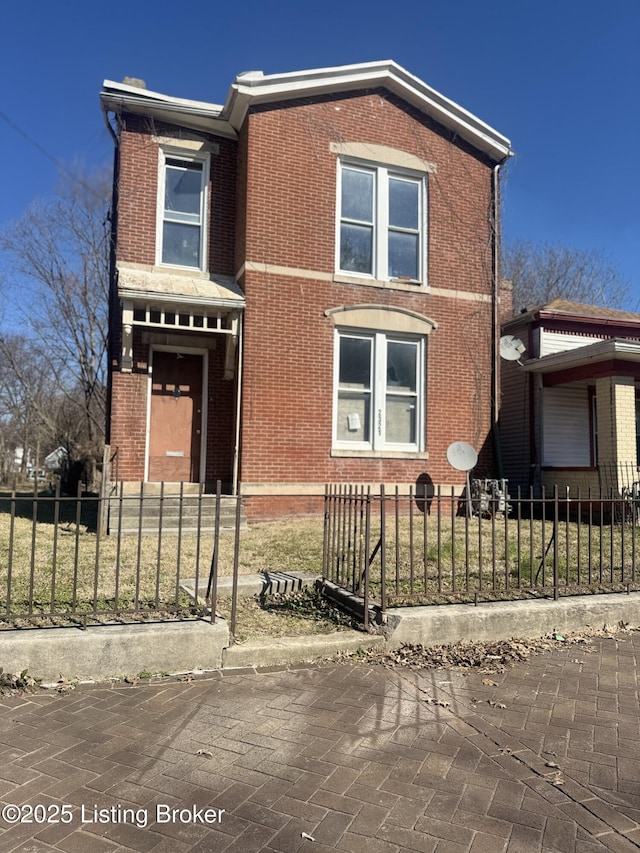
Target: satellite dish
511, 348
461, 456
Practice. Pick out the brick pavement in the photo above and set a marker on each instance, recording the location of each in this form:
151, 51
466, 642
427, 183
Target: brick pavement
360, 758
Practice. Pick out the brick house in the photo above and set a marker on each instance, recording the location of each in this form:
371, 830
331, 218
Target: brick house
304, 282
570, 411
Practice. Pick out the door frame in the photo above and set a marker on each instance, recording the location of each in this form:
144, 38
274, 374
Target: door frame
205, 403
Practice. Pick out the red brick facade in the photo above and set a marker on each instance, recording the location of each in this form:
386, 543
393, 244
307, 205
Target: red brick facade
272, 226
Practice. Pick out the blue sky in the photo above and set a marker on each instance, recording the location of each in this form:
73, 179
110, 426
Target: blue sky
561, 79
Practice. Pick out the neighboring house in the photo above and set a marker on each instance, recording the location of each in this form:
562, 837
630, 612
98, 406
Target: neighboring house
304, 286
56, 460
569, 413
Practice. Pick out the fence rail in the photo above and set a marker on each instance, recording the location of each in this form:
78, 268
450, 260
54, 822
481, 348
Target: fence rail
162, 547
395, 549
166, 552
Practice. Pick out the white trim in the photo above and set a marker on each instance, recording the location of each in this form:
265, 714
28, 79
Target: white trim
257, 88
239, 376
205, 403
172, 152
254, 87
382, 176
376, 444
342, 453
585, 355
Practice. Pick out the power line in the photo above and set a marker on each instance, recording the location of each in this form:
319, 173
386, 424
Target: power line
58, 163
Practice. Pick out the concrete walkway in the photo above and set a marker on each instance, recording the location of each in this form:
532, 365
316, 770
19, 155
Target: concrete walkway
359, 758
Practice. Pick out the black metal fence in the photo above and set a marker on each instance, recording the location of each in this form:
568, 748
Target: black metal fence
618, 478
394, 549
160, 561
167, 552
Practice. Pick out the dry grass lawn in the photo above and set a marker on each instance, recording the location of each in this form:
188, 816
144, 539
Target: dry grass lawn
64, 567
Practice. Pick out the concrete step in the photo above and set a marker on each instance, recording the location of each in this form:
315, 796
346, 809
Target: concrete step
280, 651
192, 513
206, 510
262, 583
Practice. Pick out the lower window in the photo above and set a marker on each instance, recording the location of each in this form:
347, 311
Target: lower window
378, 392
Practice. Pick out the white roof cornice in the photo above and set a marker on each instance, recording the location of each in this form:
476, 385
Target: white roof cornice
255, 88
197, 115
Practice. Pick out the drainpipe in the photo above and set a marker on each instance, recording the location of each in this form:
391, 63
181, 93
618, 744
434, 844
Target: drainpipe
236, 448
495, 349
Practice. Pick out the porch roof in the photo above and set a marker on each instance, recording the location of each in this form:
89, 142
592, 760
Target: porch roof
613, 349
161, 287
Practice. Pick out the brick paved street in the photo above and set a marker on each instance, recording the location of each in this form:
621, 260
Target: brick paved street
359, 758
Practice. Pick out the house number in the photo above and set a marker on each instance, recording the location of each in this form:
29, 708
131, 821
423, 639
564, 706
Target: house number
379, 421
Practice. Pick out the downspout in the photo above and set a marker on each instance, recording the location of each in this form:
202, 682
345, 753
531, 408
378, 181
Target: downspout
236, 448
495, 349
114, 135
113, 305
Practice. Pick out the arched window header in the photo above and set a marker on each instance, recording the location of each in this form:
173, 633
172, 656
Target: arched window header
380, 317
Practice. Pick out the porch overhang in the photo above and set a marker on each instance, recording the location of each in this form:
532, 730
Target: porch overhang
177, 302
615, 356
144, 284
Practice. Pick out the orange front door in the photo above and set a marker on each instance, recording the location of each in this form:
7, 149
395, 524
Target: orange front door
176, 417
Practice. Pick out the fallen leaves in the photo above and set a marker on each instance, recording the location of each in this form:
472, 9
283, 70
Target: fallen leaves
17, 682
441, 702
489, 656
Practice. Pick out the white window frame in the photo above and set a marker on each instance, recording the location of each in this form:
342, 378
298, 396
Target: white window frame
186, 157
376, 441
380, 224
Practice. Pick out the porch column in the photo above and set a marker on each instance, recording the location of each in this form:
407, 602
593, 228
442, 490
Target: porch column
616, 424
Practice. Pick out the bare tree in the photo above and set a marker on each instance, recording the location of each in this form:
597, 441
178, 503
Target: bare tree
27, 405
541, 272
59, 260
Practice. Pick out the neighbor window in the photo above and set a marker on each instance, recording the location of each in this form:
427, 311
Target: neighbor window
379, 392
382, 223
182, 211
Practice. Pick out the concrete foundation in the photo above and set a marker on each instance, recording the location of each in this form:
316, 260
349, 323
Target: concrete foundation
445, 624
111, 651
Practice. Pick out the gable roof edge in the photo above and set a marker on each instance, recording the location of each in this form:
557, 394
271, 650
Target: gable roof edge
254, 87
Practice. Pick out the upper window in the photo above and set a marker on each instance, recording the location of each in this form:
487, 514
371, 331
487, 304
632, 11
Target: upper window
382, 223
182, 211
379, 391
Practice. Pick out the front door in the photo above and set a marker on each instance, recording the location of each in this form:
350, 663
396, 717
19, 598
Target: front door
176, 417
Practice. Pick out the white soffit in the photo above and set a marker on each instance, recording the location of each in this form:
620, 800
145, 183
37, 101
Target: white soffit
620, 348
199, 115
